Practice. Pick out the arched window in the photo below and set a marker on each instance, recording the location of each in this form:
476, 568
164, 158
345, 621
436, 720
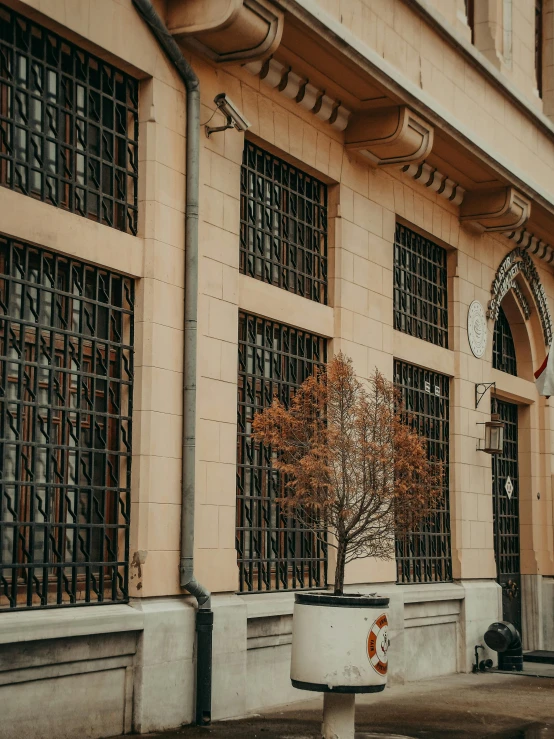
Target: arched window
503, 349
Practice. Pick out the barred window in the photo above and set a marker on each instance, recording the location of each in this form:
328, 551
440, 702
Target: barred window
425, 555
275, 551
283, 225
506, 505
68, 125
66, 373
503, 347
420, 287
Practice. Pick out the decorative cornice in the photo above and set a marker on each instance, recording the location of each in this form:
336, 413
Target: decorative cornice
532, 244
390, 136
436, 181
522, 300
340, 40
518, 262
445, 187
499, 209
297, 88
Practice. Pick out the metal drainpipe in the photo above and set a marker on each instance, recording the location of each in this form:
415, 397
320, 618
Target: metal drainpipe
204, 614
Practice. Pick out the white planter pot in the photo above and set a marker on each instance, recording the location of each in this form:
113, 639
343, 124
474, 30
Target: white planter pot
339, 643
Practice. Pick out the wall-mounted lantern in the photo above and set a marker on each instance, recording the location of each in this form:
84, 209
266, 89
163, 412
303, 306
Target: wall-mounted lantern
494, 429
494, 436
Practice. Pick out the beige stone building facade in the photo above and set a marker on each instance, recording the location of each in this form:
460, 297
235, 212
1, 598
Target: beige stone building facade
397, 166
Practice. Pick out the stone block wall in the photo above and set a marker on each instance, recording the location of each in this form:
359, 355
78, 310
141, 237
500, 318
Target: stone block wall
426, 57
70, 675
434, 628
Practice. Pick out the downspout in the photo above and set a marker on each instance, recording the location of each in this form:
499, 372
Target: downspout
204, 614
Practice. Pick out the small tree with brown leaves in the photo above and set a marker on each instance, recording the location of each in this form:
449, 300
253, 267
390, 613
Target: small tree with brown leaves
350, 462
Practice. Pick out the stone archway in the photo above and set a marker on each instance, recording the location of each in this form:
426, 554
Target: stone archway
518, 290
518, 265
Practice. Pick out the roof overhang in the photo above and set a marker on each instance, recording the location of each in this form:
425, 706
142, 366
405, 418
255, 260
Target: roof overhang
316, 61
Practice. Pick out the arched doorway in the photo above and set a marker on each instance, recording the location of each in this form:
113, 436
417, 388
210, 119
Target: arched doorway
505, 483
522, 334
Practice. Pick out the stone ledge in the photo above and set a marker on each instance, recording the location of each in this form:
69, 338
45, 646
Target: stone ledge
64, 669
27, 219
265, 605
277, 304
275, 640
431, 592
449, 618
57, 623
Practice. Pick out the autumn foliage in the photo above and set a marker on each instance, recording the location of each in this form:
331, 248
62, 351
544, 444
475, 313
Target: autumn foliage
351, 462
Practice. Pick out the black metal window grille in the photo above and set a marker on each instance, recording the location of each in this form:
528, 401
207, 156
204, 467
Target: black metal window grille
425, 555
275, 550
420, 287
68, 125
283, 225
503, 347
66, 374
506, 503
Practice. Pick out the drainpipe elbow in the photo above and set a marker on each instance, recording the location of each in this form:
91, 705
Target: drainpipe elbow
168, 43
190, 583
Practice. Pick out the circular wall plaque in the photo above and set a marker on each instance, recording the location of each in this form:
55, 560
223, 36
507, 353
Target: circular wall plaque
477, 328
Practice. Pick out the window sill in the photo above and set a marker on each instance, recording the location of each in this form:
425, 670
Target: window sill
262, 299
26, 626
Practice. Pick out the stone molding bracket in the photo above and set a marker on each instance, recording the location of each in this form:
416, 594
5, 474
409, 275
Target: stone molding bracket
436, 181
294, 87
390, 136
227, 31
502, 209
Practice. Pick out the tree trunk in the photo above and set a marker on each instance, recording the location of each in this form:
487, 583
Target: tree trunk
339, 572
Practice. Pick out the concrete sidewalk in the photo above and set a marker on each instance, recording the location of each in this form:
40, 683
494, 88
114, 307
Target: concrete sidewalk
455, 707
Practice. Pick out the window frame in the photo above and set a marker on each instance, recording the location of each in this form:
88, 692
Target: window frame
79, 151
267, 551
425, 555
66, 376
409, 308
283, 209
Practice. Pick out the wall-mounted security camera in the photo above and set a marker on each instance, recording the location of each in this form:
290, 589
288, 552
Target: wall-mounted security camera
235, 119
227, 107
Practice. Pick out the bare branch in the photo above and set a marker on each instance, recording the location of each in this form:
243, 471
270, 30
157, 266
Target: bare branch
351, 461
